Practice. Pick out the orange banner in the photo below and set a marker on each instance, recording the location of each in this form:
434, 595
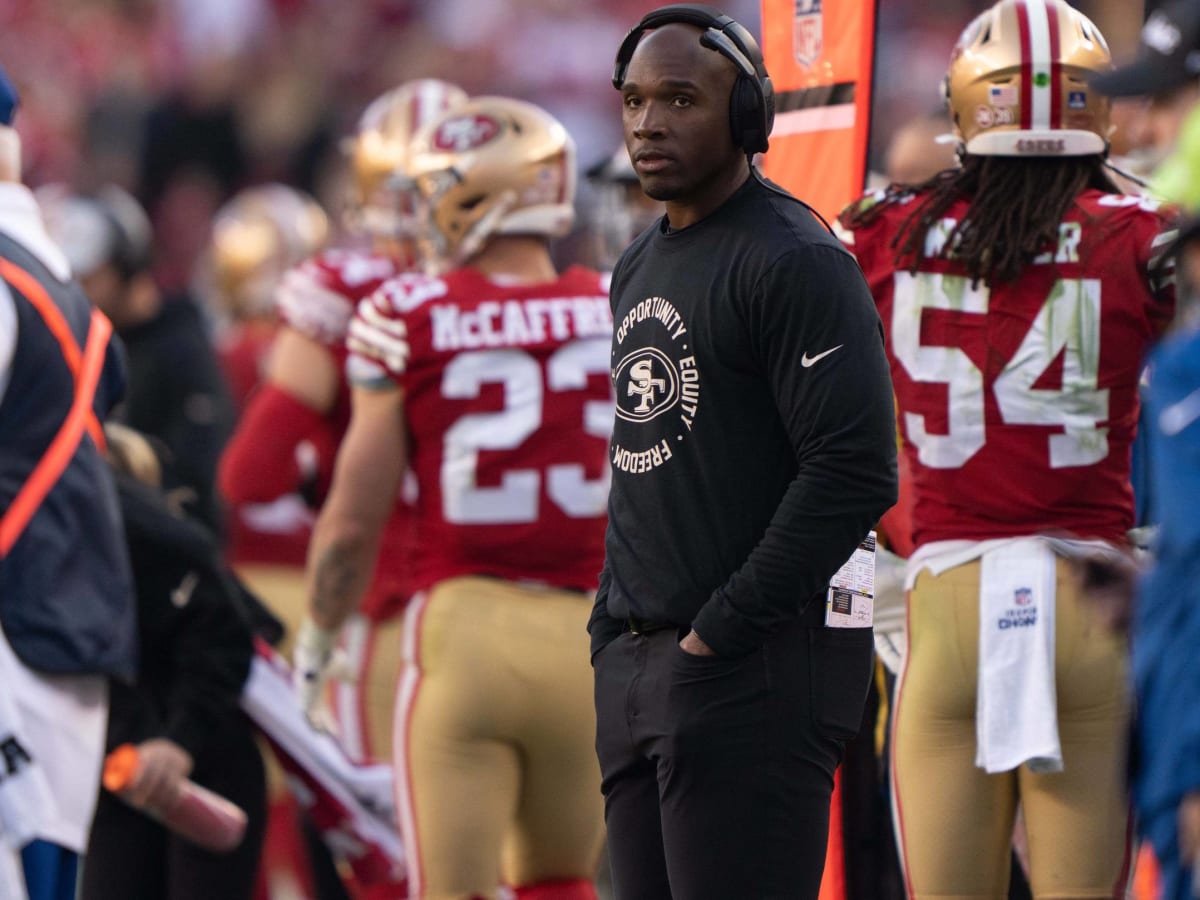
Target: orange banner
820, 55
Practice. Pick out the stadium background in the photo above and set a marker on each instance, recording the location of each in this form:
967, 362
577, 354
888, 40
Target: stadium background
184, 102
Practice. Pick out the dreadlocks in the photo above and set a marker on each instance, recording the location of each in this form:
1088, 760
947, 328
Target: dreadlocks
1016, 206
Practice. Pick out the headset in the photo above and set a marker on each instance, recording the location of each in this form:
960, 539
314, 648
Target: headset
752, 102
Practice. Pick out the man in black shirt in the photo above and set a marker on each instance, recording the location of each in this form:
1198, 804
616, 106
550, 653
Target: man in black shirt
177, 394
754, 448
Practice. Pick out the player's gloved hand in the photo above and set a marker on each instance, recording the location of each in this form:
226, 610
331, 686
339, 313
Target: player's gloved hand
313, 664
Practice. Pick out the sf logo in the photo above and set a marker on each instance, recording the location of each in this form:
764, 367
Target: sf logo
643, 383
464, 133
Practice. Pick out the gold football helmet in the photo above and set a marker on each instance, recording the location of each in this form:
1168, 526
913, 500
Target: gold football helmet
256, 237
1018, 82
379, 150
492, 166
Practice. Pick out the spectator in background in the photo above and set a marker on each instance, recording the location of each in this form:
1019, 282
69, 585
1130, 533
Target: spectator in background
1166, 74
1019, 293
194, 628
177, 394
66, 599
193, 131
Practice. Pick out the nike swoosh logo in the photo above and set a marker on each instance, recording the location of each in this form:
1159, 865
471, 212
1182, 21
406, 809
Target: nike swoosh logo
807, 360
183, 594
1179, 416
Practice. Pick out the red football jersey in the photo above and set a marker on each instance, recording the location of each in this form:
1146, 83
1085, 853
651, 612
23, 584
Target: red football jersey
1018, 404
275, 533
242, 352
509, 408
317, 298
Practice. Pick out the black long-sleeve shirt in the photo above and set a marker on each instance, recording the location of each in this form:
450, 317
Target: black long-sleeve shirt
178, 395
754, 444
194, 625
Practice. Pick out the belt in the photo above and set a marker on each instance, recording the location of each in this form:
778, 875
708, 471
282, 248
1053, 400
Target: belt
642, 627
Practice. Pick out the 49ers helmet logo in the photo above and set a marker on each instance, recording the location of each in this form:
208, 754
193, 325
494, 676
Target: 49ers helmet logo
463, 133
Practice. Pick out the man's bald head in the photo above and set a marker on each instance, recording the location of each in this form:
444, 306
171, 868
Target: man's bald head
679, 42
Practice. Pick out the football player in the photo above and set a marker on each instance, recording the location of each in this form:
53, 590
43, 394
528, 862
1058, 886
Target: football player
289, 434
1019, 293
489, 377
257, 236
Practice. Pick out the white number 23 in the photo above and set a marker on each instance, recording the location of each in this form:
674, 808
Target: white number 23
515, 498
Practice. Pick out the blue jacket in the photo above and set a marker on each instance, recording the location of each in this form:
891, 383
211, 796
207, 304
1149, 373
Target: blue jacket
66, 596
1166, 637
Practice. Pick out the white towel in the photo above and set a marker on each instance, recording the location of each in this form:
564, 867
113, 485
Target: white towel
1016, 716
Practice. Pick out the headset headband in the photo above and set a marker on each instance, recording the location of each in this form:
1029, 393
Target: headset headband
736, 46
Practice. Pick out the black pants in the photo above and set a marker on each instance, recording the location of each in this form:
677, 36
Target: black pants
717, 773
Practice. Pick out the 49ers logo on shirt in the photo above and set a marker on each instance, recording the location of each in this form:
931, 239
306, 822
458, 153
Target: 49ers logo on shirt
464, 133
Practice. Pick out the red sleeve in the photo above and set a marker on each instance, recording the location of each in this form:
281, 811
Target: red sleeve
269, 455
1160, 268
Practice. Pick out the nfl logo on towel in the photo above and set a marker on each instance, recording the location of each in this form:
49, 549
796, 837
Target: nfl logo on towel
1023, 596
1077, 100
807, 32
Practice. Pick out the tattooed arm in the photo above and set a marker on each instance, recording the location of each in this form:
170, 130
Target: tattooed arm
345, 543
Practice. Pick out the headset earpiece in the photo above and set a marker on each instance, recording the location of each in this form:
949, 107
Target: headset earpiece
752, 100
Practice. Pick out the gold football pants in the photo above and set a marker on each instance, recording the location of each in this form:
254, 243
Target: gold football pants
954, 821
496, 772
